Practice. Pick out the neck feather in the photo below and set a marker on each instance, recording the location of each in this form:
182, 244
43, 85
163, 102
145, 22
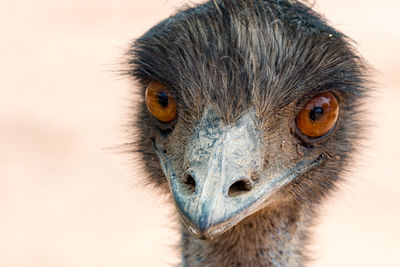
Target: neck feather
272, 237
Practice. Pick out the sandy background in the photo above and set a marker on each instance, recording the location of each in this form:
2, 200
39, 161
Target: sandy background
67, 200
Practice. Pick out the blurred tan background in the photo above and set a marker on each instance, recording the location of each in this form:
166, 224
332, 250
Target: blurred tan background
68, 200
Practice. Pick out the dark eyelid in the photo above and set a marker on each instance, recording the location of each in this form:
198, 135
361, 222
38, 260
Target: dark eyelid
302, 100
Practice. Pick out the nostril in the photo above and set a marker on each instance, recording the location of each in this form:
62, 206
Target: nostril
240, 187
189, 181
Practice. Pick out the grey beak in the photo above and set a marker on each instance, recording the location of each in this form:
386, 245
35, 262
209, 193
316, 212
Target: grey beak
222, 160
217, 189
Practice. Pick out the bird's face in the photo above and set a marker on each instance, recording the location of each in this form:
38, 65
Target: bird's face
239, 113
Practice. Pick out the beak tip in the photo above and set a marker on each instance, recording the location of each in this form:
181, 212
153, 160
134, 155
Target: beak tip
204, 235
202, 230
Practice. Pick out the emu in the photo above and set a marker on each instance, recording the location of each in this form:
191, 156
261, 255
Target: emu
249, 115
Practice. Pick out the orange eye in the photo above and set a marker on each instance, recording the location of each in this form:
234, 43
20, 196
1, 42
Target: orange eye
160, 102
318, 116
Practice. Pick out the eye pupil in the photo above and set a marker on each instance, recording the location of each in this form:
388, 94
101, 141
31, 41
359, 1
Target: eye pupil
316, 113
163, 99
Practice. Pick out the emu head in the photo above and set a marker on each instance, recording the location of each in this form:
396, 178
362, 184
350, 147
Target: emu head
245, 104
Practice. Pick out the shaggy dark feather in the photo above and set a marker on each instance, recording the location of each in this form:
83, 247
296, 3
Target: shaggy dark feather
272, 56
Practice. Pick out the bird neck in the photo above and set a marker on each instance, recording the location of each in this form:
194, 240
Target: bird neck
267, 238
